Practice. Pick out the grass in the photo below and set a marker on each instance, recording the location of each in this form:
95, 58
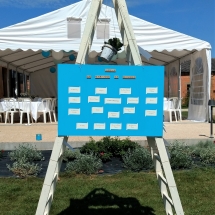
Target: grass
124, 193
184, 114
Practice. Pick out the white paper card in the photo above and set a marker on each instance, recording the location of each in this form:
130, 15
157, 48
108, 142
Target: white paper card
93, 99
97, 109
124, 91
150, 112
112, 100
115, 126
151, 90
151, 100
81, 125
101, 90
74, 99
99, 126
73, 111
133, 100
113, 114
132, 126
74, 89
129, 110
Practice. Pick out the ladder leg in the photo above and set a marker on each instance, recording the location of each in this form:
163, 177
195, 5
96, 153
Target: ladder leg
89, 29
159, 174
165, 182
52, 173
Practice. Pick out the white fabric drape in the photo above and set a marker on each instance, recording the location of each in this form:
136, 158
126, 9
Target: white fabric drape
208, 54
200, 74
173, 70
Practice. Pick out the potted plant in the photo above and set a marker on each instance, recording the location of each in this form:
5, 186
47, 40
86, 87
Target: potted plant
110, 48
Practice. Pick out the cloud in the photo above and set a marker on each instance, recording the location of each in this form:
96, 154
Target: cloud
36, 3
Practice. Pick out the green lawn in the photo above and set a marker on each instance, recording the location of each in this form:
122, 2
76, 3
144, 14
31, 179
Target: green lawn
124, 193
184, 114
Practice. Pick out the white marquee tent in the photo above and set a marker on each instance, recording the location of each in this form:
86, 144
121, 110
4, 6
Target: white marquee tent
21, 47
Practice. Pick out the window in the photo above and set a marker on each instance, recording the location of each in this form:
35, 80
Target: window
73, 27
102, 30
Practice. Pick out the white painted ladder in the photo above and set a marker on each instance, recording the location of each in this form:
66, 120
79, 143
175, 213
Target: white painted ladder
165, 176
161, 159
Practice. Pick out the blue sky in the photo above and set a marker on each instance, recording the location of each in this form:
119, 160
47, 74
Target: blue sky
192, 17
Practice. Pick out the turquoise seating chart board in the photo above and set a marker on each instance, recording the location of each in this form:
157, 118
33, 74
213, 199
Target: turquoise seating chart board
109, 100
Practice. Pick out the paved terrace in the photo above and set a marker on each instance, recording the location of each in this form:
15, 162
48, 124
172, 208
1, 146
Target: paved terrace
12, 135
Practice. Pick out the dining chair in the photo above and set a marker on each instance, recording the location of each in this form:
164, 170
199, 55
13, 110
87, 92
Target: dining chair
25, 107
171, 108
53, 108
45, 107
2, 112
11, 109
178, 108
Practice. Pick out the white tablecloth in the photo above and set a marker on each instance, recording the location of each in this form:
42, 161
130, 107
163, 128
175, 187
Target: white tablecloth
34, 108
166, 104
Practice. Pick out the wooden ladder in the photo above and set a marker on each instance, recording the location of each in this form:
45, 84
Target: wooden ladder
157, 146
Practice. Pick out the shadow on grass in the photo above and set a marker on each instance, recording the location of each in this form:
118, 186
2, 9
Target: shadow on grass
102, 202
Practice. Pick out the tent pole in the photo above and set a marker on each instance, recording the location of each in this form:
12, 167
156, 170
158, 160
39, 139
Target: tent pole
8, 79
179, 80
16, 85
30, 83
23, 81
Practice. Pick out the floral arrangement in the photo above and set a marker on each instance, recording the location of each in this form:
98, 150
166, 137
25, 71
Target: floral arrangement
115, 42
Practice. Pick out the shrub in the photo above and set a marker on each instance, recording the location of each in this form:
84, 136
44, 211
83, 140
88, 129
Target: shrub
90, 147
205, 152
196, 150
23, 168
127, 144
108, 147
180, 155
137, 159
70, 155
207, 156
1, 153
100, 148
28, 151
84, 163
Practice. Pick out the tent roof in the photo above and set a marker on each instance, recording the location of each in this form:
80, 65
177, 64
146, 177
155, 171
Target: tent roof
21, 44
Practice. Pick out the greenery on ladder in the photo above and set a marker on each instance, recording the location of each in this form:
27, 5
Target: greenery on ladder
115, 43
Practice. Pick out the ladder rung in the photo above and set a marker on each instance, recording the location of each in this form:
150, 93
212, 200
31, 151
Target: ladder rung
168, 199
54, 178
50, 196
163, 179
157, 157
